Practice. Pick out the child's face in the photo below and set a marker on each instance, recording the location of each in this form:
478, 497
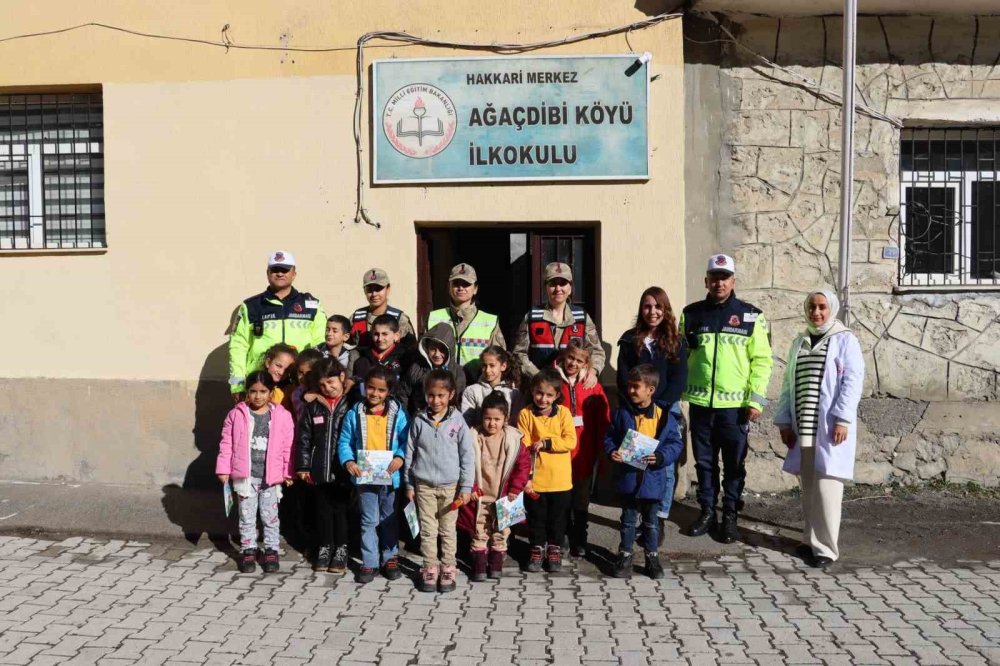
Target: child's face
383, 338
544, 395
640, 393
493, 370
376, 391
574, 360
437, 355
335, 334
258, 395
493, 420
439, 396
332, 387
278, 366
302, 369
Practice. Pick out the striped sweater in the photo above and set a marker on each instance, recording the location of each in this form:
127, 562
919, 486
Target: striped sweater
808, 379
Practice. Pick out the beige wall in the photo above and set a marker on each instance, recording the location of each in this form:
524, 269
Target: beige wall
213, 159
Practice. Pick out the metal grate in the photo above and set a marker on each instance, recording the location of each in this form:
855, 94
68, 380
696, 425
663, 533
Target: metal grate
51, 171
949, 231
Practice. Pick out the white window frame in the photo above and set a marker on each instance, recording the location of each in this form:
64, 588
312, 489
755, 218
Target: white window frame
952, 180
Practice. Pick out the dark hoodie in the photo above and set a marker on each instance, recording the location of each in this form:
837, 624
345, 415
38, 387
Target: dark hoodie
412, 384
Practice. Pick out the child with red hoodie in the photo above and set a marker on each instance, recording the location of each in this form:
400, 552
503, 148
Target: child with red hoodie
591, 416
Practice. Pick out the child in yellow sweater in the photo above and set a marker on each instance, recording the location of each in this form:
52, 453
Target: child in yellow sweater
549, 432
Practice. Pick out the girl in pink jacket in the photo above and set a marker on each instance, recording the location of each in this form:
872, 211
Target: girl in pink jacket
255, 452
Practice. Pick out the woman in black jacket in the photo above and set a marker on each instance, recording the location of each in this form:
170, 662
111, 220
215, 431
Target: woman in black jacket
655, 340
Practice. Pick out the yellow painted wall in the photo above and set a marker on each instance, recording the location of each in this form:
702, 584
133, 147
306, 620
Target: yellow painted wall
213, 159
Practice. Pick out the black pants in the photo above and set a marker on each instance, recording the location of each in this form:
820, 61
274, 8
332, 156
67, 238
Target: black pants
333, 501
547, 517
715, 431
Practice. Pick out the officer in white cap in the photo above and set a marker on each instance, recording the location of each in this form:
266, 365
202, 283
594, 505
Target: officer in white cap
729, 366
280, 313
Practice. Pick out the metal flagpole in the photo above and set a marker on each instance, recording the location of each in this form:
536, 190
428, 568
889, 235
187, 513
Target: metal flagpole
847, 158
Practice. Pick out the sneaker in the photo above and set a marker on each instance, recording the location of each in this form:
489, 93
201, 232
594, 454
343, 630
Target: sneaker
447, 581
391, 569
554, 559
730, 532
653, 567
365, 575
494, 568
478, 566
535, 559
428, 579
338, 563
322, 562
623, 566
270, 564
247, 561
704, 524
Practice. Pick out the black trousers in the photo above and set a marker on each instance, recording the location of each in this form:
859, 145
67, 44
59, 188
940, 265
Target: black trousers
715, 432
547, 517
333, 502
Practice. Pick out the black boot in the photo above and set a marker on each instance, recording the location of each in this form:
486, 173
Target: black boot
730, 532
704, 524
623, 566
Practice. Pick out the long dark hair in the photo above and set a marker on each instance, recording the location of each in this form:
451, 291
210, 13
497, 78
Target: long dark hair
665, 336
512, 375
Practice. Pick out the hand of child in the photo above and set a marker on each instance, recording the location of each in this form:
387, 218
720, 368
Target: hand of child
224, 478
537, 446
306, 476
616, 456
410, 494
353, 469
289, 482
512, 496
395, 465
464, 498
309, 397
590, 381
650, 460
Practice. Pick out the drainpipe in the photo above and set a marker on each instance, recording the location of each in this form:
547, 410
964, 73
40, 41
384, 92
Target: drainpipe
847, 159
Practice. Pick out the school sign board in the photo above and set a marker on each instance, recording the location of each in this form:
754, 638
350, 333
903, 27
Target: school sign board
446, 120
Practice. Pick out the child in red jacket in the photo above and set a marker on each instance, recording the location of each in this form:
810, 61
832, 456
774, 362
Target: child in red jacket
502, 469
591, 417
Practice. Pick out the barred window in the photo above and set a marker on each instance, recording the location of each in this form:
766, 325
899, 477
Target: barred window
51, 171
949, 207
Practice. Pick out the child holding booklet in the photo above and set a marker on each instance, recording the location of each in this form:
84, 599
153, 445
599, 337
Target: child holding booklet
502, 467
377, 423
439, 475
641, 488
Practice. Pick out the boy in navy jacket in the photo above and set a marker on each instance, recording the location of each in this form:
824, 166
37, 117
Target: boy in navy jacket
641, 491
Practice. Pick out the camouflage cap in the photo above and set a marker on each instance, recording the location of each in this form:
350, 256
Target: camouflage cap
557, 270
463, 272
375, 276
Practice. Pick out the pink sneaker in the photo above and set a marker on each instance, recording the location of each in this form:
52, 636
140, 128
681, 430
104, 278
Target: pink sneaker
428, 579
447, 582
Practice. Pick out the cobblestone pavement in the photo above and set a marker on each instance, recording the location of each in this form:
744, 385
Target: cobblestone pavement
116, 602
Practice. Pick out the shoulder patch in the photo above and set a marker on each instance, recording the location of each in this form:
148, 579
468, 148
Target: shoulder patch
312, 304
751, 316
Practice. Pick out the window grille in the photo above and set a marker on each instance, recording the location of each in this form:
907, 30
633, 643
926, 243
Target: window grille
51, 171
949, 231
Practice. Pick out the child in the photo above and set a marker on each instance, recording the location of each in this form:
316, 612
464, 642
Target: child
338, 332
502, 469
549, 433
501, 371
589, 408
277, 361
377, 423
435, 352
438, 473
317, 462
385, 352
256, 453
641, 491
300, 396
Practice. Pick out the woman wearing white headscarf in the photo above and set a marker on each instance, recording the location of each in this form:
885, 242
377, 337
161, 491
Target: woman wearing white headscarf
817, 416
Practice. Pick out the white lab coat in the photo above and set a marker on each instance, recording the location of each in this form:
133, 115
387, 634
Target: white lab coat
840, 393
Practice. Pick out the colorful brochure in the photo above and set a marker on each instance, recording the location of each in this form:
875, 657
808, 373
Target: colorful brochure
510, 513
374, 467
227, 497
410, 513
635, 447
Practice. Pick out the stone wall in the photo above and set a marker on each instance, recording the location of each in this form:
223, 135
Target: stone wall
779, 193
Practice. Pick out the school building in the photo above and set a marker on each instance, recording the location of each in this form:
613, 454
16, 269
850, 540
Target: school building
151, 158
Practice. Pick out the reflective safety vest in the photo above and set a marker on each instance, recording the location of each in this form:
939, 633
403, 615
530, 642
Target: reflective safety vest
474, 339
542, 344
359, 324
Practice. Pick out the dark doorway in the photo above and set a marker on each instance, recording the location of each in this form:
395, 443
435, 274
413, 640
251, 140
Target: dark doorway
509, 261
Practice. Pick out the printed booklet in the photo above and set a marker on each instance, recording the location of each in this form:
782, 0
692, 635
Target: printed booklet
635, 447
227, 497
510, 513
374, 467
410, 513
